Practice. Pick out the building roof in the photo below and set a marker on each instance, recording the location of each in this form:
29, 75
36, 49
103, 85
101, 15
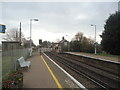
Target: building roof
62, 41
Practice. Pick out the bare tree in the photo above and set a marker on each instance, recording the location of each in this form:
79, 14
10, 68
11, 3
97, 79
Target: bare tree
82, 43
13, 35
91, 40
57, 40
79, 37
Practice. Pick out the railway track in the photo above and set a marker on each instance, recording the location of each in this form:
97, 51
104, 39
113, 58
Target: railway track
97, 76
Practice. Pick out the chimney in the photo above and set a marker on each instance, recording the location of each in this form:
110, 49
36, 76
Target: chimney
63, 38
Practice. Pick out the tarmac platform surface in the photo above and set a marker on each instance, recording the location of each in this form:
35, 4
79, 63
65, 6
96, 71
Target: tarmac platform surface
45, 74
38, 75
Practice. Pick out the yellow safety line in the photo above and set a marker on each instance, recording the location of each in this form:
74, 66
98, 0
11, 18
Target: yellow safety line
54, 77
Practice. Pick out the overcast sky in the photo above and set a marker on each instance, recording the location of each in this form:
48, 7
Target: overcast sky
57, 19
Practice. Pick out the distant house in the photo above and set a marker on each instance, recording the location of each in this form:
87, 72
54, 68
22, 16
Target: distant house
60, 46
55, 47
63, 44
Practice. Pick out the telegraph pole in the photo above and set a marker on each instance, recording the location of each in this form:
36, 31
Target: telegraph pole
95, 38
20, 33
95, 41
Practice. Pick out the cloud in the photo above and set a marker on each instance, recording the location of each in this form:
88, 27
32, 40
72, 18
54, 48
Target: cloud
81, 17
57, 18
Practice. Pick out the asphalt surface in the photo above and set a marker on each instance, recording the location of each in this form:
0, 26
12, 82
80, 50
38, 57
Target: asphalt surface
38, 75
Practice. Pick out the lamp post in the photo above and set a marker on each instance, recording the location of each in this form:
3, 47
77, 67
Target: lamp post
95, 38
31, 34
68, 43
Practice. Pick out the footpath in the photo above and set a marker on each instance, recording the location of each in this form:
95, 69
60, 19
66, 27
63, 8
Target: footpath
38, 76
43, 73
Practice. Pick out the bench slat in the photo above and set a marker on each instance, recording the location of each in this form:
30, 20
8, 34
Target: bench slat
23, 63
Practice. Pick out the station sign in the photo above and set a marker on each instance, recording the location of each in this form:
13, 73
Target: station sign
2, 28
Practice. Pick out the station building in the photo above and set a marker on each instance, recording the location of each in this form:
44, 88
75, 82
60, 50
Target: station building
61, 46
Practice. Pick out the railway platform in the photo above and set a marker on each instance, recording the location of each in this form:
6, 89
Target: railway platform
114, 59
45, 74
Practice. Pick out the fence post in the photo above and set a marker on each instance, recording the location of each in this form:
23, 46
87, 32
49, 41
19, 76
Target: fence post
11, 57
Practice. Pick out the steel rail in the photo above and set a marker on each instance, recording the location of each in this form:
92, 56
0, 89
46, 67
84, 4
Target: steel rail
69, 65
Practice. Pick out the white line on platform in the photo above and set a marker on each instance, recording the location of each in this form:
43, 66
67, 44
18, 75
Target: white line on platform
72, 78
